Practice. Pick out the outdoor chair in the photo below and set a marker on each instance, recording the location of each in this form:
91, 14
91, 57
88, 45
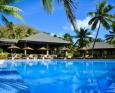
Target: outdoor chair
10, 56
25, 57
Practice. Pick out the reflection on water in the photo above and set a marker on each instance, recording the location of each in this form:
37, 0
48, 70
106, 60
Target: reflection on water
11, 82
63, 76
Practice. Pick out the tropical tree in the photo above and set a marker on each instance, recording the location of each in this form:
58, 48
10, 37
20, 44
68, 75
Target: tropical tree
69, 6
7, 8
16, 31
10, 27
111, 36
99, 40
102, 17
82, 37
68, 37
96, 40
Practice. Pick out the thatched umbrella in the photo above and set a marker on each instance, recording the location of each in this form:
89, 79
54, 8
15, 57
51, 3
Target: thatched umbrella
42, 49
13, 47
27, 48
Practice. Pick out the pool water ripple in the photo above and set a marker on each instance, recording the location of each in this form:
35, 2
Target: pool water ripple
66, 76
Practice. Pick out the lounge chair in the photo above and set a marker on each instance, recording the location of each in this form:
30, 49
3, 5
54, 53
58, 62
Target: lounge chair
31, 56
10, 56
25, 57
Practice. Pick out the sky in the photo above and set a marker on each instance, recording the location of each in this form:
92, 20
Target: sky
56, 23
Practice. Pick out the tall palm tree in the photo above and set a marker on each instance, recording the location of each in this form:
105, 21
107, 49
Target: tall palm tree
82, 37
102, 17
69, 6
111, 36
7, 8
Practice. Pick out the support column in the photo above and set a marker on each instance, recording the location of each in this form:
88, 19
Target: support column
47, 49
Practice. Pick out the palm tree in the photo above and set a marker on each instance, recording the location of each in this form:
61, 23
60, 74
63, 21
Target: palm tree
96, 40
101, 17
82, 37
10, 26
69, 6
68, 37
111, 36
5, 7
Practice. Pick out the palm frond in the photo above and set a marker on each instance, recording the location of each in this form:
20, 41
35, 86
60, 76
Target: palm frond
105, 24
2, 2
47, 4
110, 16
108, 8
92, 14
92, 20
14, 14
5, 20
94, 24
9, 8
69, 5
102, 6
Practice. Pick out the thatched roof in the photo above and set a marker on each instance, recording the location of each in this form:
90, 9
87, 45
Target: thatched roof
42, 37
99, 45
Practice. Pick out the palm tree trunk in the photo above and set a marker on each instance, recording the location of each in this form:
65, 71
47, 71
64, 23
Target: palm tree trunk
14, 33
95, 38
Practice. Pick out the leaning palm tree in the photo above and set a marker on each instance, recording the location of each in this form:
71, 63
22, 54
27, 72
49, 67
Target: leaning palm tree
69, 6
7, 8
82, 37
102, 17
111, 36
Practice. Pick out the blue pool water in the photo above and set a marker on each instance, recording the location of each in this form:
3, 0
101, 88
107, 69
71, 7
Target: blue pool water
66, 76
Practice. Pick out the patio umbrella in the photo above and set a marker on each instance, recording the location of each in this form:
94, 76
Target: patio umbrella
42, 49
27, 48
13, 47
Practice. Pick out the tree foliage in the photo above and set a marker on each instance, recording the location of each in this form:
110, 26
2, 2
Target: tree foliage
7, 8
69, 7
82, 36
21, 31
110, 37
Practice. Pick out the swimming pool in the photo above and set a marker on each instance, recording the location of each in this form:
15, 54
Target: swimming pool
66, 76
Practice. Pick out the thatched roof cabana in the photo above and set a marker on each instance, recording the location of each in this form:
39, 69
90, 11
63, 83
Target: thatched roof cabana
98, 46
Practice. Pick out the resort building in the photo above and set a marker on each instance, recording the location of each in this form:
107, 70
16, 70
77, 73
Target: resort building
101, 49
38, 43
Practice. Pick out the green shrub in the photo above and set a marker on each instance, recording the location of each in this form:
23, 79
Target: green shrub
3, 55
1, 50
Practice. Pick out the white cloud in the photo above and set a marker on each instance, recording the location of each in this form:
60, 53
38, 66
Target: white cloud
83, 23
80, 23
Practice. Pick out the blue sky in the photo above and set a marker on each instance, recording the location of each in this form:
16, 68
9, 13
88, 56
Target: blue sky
56, 22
